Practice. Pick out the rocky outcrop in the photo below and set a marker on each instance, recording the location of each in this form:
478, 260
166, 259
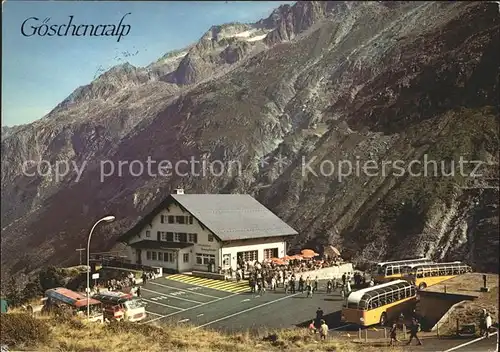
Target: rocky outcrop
326, 118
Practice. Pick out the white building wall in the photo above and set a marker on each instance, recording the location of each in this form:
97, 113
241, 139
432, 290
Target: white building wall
203, 245
183, 267
258, 245
157, 262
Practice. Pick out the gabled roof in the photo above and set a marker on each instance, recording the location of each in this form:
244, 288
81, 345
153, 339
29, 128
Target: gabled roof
228, 216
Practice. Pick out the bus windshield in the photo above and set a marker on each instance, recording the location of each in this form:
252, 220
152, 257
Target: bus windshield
94, 309
134, 304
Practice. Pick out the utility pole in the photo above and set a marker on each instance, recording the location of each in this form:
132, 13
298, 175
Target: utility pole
80, 250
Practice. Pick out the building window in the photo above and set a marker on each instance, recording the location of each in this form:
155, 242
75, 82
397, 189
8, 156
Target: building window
180, 237
153, 256
248, 256
171, 219
171, 257
204, 258
160, 256
163, 236
191, 220
270, 253
148, 233
180, 219
185, 257
165, 257
193, 238
148, 255
210, 237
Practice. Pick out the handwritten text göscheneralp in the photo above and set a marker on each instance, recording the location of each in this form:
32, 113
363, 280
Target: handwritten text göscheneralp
33, 26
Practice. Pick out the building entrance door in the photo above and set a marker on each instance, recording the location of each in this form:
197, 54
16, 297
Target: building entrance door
226, 261
138, 258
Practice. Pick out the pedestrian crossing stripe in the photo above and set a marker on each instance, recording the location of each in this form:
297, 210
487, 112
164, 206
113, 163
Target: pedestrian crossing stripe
226, 286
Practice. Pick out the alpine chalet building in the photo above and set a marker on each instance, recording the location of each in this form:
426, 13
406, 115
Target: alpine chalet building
202, 232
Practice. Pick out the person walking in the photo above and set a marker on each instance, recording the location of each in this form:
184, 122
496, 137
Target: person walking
329, 286
393, 334
319, 317
323, 330
315, 285
138, 292
309, 290
414, 327
301, 283
312, 328
262, 287
292, 285
488, 325
485, 323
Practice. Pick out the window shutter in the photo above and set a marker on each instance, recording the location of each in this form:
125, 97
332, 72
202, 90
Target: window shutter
159, 236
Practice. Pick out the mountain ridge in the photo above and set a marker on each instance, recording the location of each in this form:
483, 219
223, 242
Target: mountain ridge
338, 80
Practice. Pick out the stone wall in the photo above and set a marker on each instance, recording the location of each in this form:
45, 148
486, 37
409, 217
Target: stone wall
330, 272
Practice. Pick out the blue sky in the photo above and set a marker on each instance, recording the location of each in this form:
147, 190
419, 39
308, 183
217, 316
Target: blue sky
39, 72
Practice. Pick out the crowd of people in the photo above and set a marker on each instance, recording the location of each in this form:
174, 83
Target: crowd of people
294, 266
122, 281
269, 276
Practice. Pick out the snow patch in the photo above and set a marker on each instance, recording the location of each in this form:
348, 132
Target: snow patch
244, 34
251, 35
256, 38
176, 57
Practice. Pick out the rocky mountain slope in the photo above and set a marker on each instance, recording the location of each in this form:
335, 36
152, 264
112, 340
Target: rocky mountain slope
315, 85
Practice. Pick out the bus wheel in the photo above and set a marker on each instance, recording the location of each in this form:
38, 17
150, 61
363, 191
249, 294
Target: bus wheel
383, 319
422, 286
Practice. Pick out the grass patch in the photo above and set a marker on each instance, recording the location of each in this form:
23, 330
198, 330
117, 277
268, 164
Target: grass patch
23, 331
48, 333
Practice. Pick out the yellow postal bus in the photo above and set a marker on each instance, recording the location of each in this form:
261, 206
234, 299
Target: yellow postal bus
379, 304
395, 270
426, 275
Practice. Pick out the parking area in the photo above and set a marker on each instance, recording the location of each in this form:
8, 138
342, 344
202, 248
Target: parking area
218, 307
225, 306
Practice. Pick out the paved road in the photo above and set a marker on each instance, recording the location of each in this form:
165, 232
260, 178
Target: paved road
215, 305
175, 301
